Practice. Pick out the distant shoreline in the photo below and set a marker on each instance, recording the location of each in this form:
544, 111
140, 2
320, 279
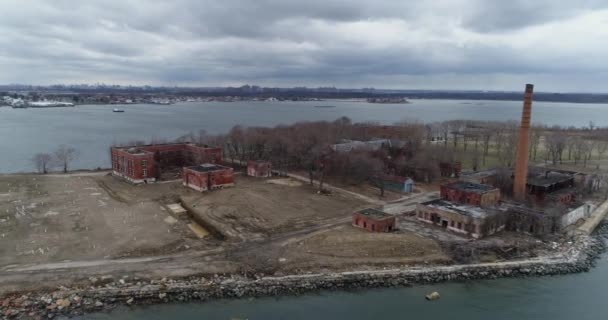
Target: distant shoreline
409, 100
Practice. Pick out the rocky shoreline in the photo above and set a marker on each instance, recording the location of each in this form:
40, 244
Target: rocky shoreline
105, 293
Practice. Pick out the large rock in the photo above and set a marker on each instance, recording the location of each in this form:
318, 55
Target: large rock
64, 303
433, 296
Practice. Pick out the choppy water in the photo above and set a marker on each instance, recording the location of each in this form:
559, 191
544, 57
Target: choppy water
91, 129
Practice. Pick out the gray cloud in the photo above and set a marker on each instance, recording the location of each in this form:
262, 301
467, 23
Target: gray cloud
497, 16
383, 43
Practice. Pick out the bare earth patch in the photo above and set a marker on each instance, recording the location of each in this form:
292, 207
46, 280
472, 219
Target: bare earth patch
51, 218
285, 182
254, 209
348, 246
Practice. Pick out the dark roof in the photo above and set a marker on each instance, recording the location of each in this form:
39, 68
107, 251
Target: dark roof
546, 180
463, 209
374, 213
480, 174
207, 167
470, 186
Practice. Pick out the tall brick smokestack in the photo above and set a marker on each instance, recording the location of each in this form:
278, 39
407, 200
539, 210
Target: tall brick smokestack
521, 161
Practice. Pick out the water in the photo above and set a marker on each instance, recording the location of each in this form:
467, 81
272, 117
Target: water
578, 296
92, 129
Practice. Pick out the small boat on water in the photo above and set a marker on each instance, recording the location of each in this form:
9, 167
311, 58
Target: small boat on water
118, 110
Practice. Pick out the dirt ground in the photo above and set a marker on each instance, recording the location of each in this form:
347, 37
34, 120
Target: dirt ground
57, 218
347, 246
82, 225
260, 208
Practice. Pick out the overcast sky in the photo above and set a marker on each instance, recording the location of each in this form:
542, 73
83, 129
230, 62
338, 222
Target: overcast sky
437, 44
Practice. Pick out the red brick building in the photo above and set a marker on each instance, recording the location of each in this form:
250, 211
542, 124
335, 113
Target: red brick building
207, 176
461, 218
551, 185
374, 220
481, 195
261, 169
139, 164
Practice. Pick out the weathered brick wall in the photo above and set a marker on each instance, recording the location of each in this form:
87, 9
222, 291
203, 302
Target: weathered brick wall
485, 199
373, 225
132, 166
194, 179
222, 178
203, 181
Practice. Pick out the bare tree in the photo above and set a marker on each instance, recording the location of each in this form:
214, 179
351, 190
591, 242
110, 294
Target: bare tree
580, 149
444, 128
510, 145
64, 155
602, 147
42, 162
556, 143
536, 134
234, 143
486, 134
475, 160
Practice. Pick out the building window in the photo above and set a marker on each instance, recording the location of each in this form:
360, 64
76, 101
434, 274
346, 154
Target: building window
144, 163
373, 227
364, 224
460, 225
452, 224
145, 173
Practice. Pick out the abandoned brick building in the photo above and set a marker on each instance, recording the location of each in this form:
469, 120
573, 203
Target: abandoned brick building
551, 185
477, 210
466, 208
374, 220
260, 169
207, 176
543, 186
461, 218
139, 164
476, 194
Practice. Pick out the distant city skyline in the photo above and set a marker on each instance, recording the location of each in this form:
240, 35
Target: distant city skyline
416, 45
252, 85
